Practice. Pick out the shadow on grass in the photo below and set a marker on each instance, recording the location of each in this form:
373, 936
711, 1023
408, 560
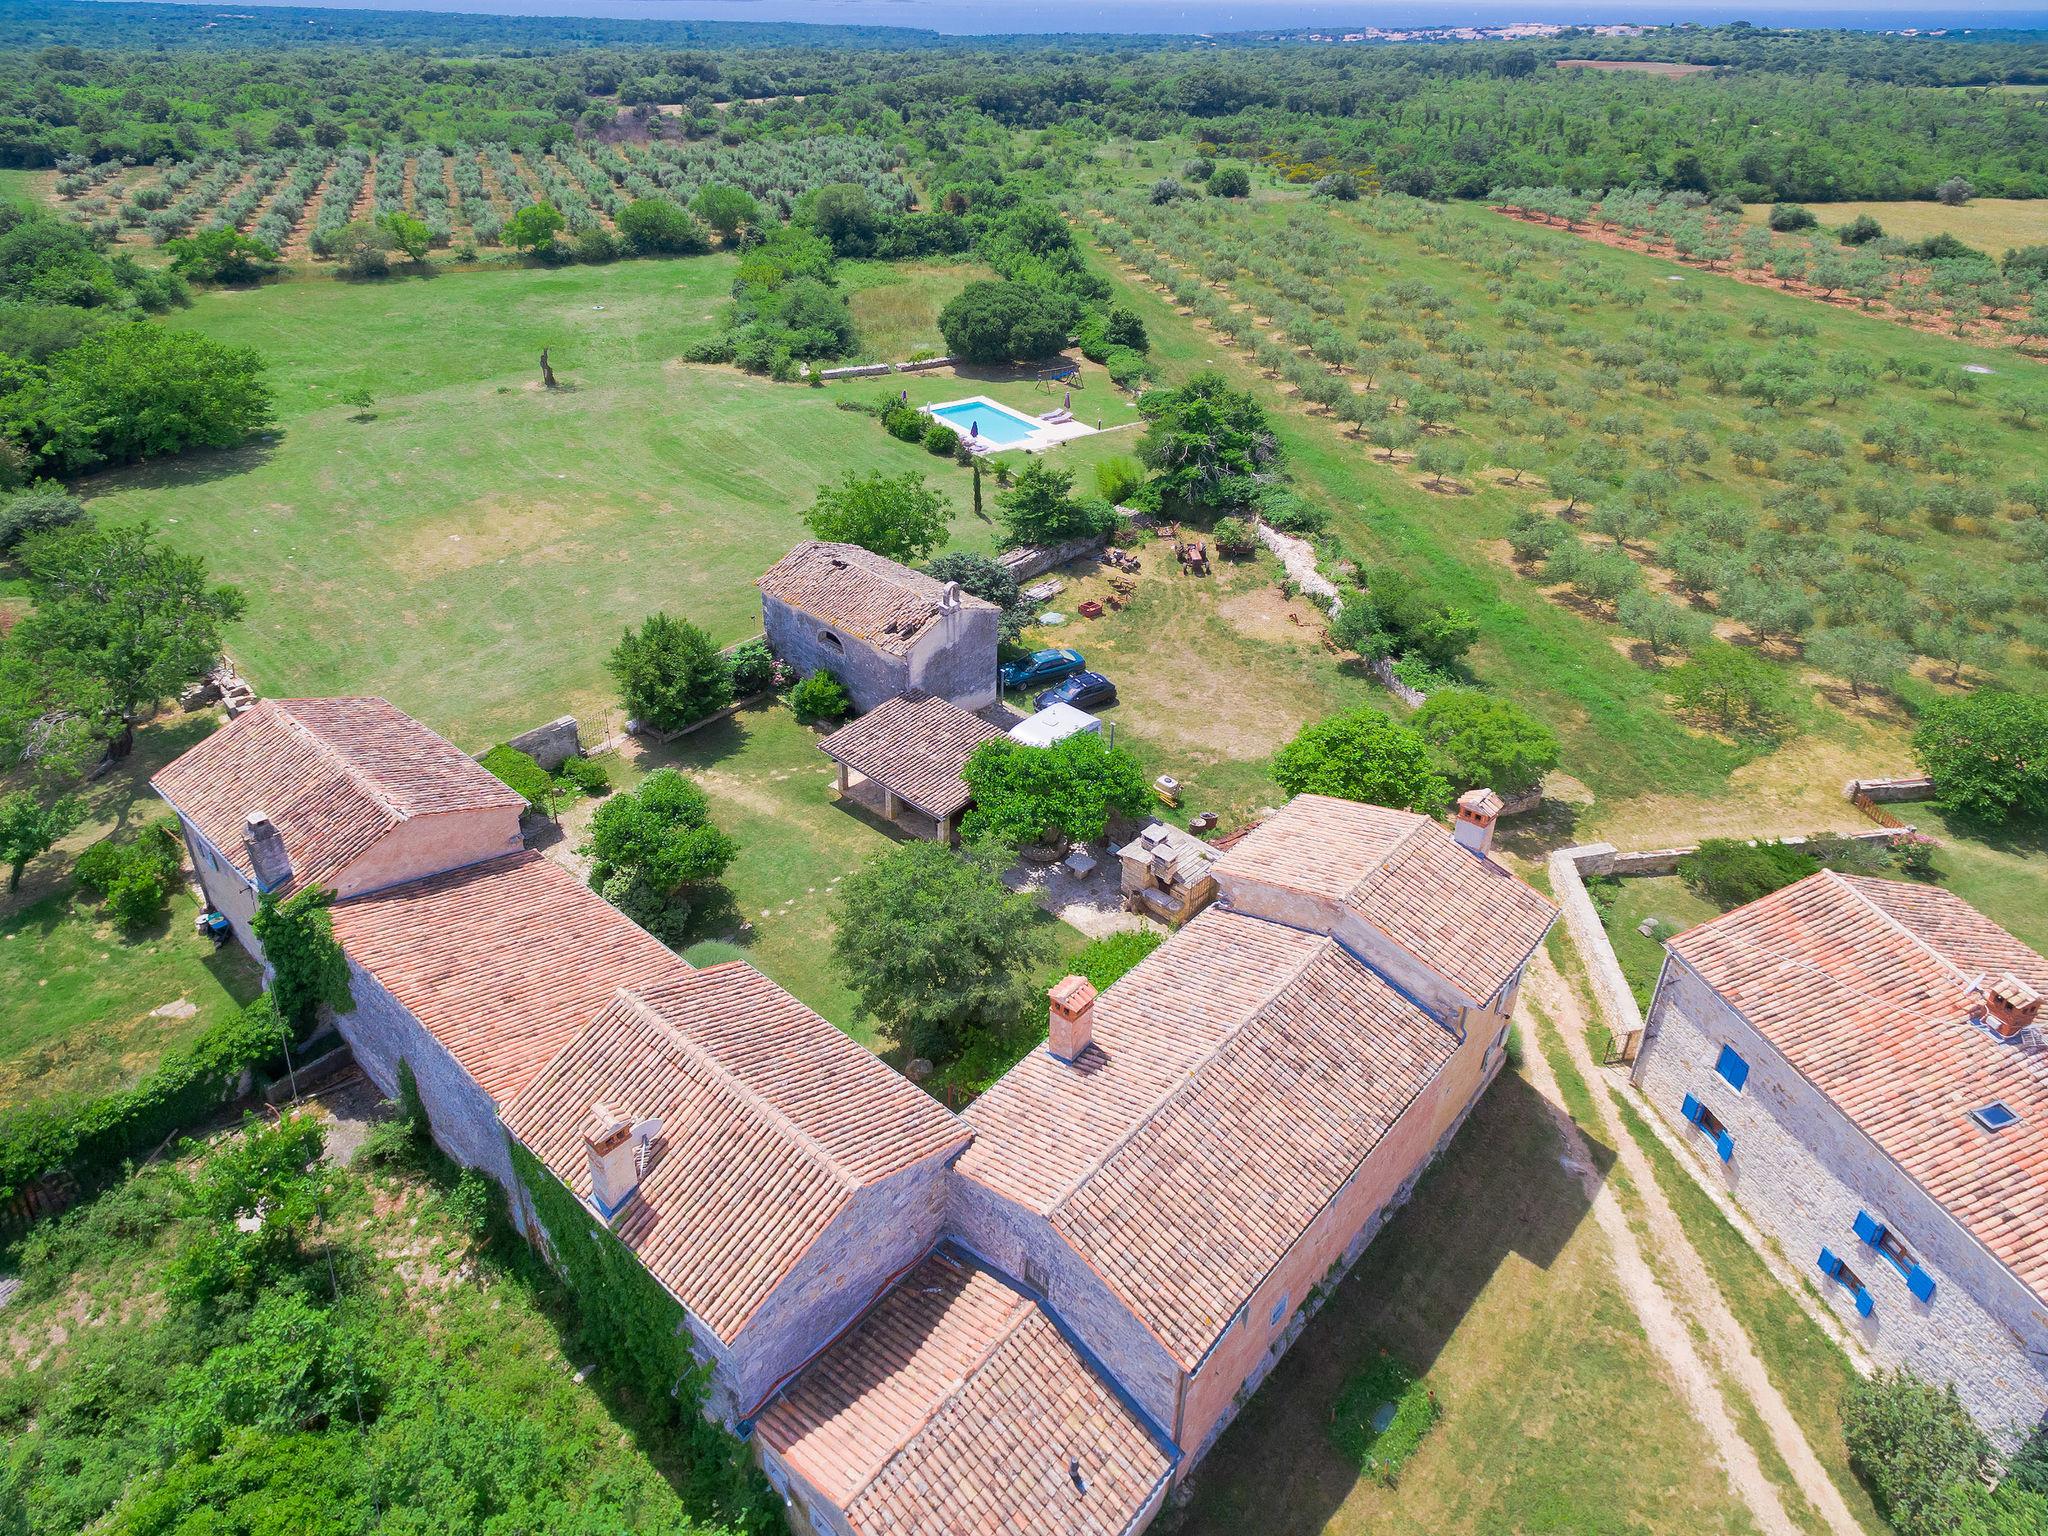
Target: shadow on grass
1499, 1192
186, 469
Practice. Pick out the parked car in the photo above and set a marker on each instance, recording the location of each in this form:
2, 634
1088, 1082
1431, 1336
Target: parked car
1042, 667
1084, 690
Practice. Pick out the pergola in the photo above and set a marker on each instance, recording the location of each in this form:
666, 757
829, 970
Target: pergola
907, 755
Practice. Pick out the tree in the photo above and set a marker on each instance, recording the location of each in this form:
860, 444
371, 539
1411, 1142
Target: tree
1729, 687
1005, 322
1041, 508
29, 828
654, 226
651, 847
362, 249
1230, 181
221, 256
1911, 1441
1731, 872
1481, 739
896, 516
408, 234
846, 214
1987, 753
1364, 755
1050, 795
1862, 658
981, 577
726, 209
1210, 445
669, 673
1357, 628
1660, 623
533, 227
308, 967
1788, 217
1954, 192
1860, 230
121, 622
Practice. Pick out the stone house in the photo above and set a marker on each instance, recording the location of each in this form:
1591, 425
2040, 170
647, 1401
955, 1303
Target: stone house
881, 628
352, 794
1858, 1062
1167, 873
1021, 1319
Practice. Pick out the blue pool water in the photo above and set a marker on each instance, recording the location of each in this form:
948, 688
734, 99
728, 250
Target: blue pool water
988, 421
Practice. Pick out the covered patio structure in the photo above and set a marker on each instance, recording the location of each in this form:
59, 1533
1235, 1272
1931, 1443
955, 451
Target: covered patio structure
903, 760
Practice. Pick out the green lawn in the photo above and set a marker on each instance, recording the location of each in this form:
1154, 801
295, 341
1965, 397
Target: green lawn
896, 306
473, 550
91, 1008
1625, 904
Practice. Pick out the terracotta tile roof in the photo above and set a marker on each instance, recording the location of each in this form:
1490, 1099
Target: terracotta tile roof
333, 774
503, 962
1864, 986
1466, 918
1238, 1076
852, 589
955, 1407
915, 744
772, 1120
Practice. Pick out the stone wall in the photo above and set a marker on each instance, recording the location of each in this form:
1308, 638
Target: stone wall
1582, 920
427, 845
1882, 791
225, 889
872, 676
956, 658
1029, 560
550, 745
1802, 1170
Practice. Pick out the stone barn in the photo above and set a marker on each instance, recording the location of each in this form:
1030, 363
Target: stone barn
879, 627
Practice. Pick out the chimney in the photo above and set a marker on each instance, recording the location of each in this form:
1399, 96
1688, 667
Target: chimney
1478, 809
613, 1143
1073, 1018
264, 844
2013, 1005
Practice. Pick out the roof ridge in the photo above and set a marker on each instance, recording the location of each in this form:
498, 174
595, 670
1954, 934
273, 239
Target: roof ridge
1022, 1307
1393, 853
370, 786
1325, 943
748, 1096
1885, 917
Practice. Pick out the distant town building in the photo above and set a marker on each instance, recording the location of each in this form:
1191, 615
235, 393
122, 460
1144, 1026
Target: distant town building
1860, 1062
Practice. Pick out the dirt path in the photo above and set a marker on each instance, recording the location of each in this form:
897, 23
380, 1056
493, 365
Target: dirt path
1703, 1304
1666, 1329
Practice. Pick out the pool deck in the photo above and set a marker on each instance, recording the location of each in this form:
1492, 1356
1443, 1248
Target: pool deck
1043, 434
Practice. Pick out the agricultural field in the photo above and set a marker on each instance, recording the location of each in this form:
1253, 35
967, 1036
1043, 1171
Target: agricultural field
1993, 225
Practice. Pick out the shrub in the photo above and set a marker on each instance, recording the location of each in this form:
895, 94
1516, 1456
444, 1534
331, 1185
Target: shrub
1787, 217
1382, 1450
820, 699
656, 226
670, 674
1042, 509
1911, 1441
1118, 477
1290, 511
1731, 873
1860, 230
523, 776
1005, 322
587, 775
135, 877
1106, 960
904, 422
1230, 181
940, 439
752, 666
1987, 754
39, 508
1234, 538
981, 577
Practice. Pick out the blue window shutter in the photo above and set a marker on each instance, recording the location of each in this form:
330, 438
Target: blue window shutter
1690, 1109
1867, 1229
1864, 1304
1829, 1264
1725, 1145
1733, 1069
1920, 1283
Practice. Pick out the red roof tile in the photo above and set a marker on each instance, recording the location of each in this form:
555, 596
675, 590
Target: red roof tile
1865, 987
955, 1407
1238, 1077
504, 962
915, 744
334, 775
1466, 918
772, 1120
863, 593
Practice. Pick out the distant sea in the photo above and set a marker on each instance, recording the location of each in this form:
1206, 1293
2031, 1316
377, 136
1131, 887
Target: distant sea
1201, 16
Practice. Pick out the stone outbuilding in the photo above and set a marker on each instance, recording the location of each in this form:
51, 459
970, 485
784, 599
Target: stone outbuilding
904, 760
1859, 1063
879, 627
1168, 873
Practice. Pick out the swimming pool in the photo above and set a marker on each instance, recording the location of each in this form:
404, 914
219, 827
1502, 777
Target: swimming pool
980, 417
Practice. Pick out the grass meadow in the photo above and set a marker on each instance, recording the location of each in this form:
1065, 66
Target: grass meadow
1994, 225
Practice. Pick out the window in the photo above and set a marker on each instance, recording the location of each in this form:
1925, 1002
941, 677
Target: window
1709, 1125
1832, 1266
1035, 1278
1279, 1311
1994, 1116
1733, 1069
1894, 1252
831, 640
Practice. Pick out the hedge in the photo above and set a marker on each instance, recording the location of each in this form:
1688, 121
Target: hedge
96, 1136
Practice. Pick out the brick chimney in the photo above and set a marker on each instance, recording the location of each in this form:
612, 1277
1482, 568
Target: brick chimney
264, 844
1478, 809
1073, 1018
613, 1144
2013, 1005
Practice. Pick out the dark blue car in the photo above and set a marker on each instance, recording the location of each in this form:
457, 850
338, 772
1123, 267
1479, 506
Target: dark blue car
1084, 690
1043, 667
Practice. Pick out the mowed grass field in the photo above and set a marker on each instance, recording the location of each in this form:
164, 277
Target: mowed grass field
472, 545
1994, 225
